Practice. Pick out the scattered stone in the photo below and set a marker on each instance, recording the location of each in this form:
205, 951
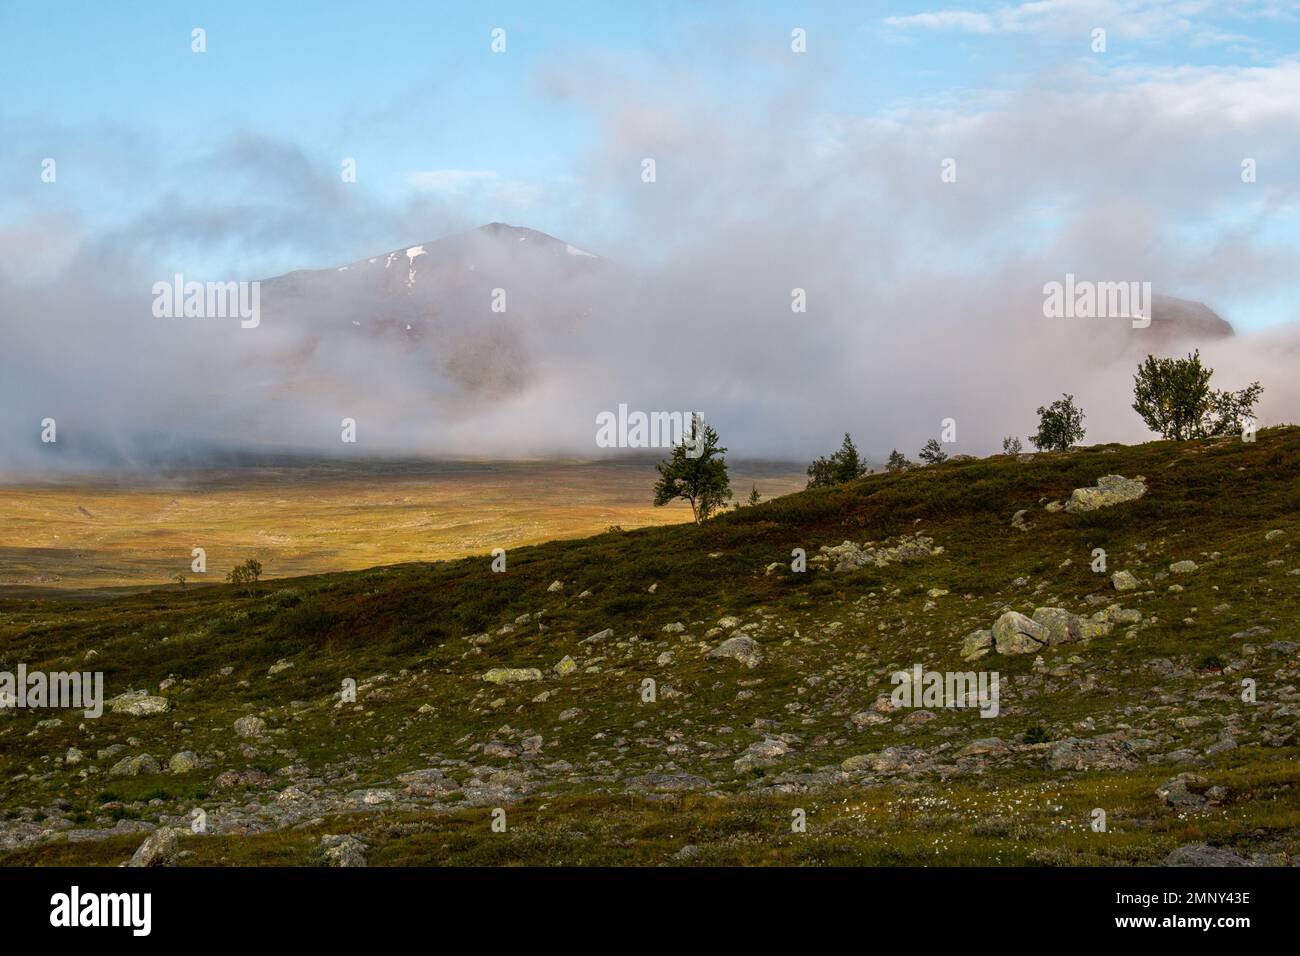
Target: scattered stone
567, 665
976, 644
983, 747
1184, 790
250, 727
765, 753
158, 849
134, 766
1016, 634
1202, 854
1110, 490
512, 675
182, 762
1062, 626
740, 648
1182, 567
342, 850
555, 586
138, 703
1124, 581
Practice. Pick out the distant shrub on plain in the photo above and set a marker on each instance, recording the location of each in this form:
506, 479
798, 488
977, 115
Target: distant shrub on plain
246, 574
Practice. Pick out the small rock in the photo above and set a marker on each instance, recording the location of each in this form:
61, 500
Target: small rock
182, 762
250, 726
741, 648
134, 766
1202, 854
1124, 581
342, 850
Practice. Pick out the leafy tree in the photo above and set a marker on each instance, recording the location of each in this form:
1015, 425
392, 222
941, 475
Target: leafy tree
1174, 398
1060, 425
1011, 445
897, 461
845, 465
701, 480
932, 453
246, 574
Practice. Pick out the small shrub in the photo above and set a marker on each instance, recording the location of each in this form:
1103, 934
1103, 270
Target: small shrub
1037, 734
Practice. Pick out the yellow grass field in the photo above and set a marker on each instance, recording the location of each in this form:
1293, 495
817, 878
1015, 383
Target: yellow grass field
308, 518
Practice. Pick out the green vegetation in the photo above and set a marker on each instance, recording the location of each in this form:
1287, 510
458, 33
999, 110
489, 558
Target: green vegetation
897, 462
1060, 425
245, 574
1174, 398
697, 474
844, 465
933, 453
618, 779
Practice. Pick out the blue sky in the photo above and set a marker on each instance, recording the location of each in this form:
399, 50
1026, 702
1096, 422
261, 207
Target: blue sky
415, 95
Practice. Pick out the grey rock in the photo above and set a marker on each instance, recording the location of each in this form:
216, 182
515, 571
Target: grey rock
134, 766
158, 849
1016, 634
1110, 490
743, 649
1202, 854
342, 850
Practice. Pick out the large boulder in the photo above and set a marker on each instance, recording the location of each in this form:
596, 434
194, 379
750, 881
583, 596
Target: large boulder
1062, 626
1016, 634
1110, 490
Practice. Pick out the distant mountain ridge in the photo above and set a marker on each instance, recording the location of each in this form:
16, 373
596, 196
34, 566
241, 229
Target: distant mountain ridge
476, 306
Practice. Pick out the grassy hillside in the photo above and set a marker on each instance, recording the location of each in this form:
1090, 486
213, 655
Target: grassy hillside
714, 769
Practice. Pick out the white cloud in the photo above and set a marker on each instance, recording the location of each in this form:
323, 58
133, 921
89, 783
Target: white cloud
1156, 20
480, 182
